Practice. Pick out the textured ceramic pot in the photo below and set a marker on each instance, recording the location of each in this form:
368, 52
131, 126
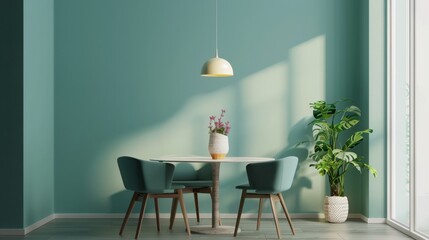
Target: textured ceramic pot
336, 209
218, 145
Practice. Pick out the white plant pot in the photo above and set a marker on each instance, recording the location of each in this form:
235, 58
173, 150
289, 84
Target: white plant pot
336, 209
218, 145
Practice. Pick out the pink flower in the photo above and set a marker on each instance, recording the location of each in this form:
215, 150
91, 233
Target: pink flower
227, 128
219, 125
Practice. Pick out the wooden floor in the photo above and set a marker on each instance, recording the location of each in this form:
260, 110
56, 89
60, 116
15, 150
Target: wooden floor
83, 229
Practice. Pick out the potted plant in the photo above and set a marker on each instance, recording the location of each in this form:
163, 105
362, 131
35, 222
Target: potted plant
333, 152
218, 141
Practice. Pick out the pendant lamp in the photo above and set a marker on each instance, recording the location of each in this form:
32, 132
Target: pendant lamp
216, 66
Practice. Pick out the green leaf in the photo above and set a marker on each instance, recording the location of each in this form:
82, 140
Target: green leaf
345, 156
371, 169
322, 110
321, 131
356, 165
355, 139
317, 156
350, 118
353, 110
347, 122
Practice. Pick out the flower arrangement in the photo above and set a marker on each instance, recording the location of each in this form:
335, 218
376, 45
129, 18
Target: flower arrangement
218, 126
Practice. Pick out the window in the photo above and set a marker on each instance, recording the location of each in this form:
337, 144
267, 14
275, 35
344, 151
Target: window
408, 57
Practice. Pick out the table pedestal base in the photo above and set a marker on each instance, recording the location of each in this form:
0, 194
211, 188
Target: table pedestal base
207, 229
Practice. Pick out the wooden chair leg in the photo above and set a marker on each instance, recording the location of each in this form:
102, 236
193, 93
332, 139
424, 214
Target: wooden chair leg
157, 213
197, 209
276, 220
258, 223
240, 210
185, 216
127, 215
173, 212
283, 203
139, 224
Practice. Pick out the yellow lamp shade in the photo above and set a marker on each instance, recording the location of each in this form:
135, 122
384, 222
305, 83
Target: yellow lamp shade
217, 67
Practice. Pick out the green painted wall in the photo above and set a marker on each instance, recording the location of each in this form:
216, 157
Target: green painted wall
38, 110
127, 83
11, 120
376, 201
109, 78
26, 66
374, 94
364, 101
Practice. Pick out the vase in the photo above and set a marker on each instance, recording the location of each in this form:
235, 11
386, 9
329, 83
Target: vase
218, 145
336, 209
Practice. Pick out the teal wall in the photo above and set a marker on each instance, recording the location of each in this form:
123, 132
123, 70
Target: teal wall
11, 108
89, 81
38, 110
364, 89
377, 97
127, 83
26, 67
374, 94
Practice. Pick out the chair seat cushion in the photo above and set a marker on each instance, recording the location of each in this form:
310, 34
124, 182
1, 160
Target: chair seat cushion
248, 188
244, 186
195, 183
167, 190
177, 186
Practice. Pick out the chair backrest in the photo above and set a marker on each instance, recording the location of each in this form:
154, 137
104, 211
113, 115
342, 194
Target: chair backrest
192, 172
145, 176
272, 177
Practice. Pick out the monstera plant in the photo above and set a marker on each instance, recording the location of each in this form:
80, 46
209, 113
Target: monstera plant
334, 141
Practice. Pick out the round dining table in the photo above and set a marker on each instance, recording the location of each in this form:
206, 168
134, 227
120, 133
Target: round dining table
215, 228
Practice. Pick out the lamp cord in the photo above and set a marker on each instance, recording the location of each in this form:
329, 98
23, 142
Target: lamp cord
216, 32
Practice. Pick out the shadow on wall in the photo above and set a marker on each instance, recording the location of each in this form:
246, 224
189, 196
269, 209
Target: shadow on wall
299, 140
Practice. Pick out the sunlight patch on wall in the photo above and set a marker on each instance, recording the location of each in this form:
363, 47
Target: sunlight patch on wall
264, 111
308, 64
308, 71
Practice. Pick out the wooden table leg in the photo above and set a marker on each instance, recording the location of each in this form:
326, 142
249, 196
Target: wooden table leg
215, 228
215, 198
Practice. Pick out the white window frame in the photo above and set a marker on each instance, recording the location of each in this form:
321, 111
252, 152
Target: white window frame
391, 60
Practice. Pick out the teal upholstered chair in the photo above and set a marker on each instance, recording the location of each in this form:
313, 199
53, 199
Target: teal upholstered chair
149, 180
197, 178
268, 180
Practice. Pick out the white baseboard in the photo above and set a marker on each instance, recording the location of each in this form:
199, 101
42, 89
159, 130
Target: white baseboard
22, 232
222, 215
373, 220
39, 223
179, 215
94, 215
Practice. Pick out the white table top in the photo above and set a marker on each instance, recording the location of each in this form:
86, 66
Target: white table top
209, 159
